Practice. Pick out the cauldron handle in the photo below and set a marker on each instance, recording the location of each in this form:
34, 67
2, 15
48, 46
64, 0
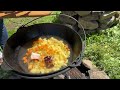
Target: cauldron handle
77, 61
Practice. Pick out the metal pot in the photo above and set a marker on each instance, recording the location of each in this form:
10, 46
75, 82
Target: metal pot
24, 34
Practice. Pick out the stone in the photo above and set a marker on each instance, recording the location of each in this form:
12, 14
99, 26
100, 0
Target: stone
71, 13
98, 12
103, 26
107, 15
90, 17
89, 64
67, 20
61, 76
94, 74
83, 13
107, 22
118, 14
88, 24
111, 22
117, 20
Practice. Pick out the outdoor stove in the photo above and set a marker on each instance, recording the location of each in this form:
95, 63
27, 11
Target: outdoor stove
80, 72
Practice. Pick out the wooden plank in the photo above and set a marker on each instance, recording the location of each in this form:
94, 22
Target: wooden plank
17, 14
75, 74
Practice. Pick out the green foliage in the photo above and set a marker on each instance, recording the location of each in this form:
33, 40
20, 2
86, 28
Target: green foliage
104, 50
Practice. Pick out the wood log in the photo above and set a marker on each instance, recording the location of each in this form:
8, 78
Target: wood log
75, 74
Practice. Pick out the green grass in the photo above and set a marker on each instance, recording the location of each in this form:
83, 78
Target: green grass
11, 32
102, 48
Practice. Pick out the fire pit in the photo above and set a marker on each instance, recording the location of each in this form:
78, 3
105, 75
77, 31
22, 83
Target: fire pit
84, 71
80, 72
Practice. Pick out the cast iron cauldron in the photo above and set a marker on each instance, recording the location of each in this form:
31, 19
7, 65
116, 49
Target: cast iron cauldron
15, 45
